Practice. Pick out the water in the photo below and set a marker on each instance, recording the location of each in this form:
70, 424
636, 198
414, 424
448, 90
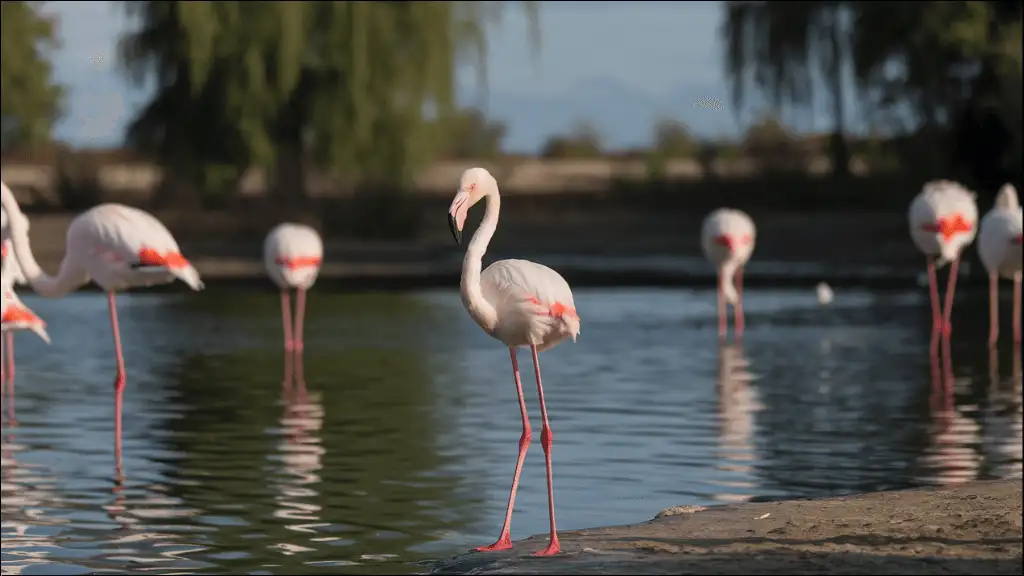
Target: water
404, 447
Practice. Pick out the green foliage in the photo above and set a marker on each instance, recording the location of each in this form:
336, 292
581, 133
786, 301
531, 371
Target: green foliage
30, 101
343, 86
583, 142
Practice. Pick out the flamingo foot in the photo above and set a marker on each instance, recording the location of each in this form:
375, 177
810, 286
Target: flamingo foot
503, 543
551, 550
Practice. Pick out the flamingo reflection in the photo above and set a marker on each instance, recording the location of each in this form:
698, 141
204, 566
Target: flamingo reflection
1001, 441
300, 452
737, 403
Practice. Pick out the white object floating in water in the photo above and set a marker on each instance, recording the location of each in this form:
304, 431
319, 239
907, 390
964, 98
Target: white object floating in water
825, 294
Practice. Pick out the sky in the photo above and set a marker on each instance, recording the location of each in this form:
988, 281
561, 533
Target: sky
619, 66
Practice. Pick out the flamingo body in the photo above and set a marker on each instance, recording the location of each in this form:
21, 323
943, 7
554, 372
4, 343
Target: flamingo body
727, 238
999, 247
293, 254
943, 220
14, 270
534, 304
999, 236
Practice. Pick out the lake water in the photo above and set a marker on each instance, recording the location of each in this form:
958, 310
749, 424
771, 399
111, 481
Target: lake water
404, 445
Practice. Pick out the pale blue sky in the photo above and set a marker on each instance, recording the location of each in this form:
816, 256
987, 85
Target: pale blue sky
619, 65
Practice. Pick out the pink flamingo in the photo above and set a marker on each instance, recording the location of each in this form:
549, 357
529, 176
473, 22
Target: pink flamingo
116, 246
520, 303
16, 317
999, 246
293, 254
943, 221
727, 238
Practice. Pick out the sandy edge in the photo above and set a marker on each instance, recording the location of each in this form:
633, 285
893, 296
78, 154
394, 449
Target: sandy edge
969, 529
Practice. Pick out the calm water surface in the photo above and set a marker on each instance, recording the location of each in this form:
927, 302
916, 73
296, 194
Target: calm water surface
404, 445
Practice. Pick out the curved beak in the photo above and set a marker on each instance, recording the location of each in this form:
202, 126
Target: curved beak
455, 229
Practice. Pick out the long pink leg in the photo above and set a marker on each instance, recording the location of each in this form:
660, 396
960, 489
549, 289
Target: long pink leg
545, 441
723, 322
1016, 309
738, 311
9, 337
286, 320
947, 313
119, 382
933, 290
505, 540
300, 318
3, 370
993, 309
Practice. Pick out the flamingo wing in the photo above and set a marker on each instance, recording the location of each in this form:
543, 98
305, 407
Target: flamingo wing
533, 300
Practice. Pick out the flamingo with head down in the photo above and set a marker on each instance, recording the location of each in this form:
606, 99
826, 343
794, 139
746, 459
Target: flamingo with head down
999, 247
116, 246
293, 254
943, 221
727, 238
520, 303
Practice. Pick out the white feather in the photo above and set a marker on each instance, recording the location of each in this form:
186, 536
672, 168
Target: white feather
293, 242
34, 323
734, 224
825, 294
942, 199
999, 236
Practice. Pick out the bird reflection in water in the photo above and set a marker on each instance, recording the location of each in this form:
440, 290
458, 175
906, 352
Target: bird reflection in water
950, 457
1001, 440
300, 452
737, 403
26, 493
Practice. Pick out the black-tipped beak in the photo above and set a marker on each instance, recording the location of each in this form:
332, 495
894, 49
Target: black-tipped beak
456, 233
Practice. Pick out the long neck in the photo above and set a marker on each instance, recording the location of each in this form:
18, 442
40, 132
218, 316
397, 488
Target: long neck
70, 276
472, 296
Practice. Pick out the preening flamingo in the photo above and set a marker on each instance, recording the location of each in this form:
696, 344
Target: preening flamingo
17, 317
293, 254
999, 246
116, 246
727, 238
943, 221
520, 303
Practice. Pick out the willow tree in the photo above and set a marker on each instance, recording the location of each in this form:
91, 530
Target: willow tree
30, 101
777, 48
349, 87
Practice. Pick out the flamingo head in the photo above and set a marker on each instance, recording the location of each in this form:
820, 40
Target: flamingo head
474, 185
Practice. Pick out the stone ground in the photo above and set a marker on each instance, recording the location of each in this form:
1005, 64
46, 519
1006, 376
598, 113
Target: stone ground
970, 529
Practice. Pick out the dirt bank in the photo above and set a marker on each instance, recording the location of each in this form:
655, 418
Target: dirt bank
971, 529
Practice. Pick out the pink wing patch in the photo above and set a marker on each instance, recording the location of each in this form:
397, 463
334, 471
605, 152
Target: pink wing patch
556, 310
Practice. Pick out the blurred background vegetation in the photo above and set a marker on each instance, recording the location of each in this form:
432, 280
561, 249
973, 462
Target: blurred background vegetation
365, 92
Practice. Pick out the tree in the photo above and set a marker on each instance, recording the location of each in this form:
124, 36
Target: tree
30, 100
583, 142
471, 135
344, 86
673, 140
778, 47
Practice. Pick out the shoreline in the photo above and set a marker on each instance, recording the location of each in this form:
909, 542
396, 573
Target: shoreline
974, 528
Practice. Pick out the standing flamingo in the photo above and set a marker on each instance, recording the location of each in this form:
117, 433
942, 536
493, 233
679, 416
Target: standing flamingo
17, 317
943, 221
999, 246
727, 239
520, 303
293, 254
116, 246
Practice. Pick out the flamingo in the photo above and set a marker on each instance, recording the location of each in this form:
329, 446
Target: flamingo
520, 303
943, 221
292, 254
17, 317
999, 246
116, 246
727, 239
